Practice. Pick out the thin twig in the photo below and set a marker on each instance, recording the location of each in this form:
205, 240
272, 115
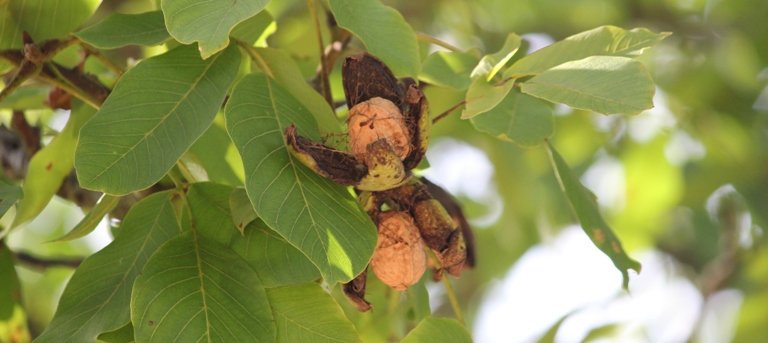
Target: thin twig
42, 263
255, 57
325, 84
448, 111
434, 40
340, 38
112, 66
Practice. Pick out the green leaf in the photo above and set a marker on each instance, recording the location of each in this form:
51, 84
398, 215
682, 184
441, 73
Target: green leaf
281, 67
120, 29
50, 166
317, 216
448, 69
491, 64
603, 40
121, 335
519, 118
241, 208
433, 329
9, 194
207, 22
604, 84
91, 219
585, 206
42, 19
256, 29
306, 313
10, 288
211, 152
156, 111
97, 297
193, 289
384, 32
483, 96
277, 262
209, 205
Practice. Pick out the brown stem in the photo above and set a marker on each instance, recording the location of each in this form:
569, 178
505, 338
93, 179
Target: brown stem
112, 66
448, 111
42, 263
325, 85
340, 38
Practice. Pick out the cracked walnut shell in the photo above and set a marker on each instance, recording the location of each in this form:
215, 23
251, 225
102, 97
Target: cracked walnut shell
399, 260
374, 119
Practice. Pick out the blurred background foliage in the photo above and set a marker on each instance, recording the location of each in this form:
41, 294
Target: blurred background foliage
686, 181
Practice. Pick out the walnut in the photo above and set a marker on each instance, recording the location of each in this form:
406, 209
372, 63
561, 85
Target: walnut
374, 119
399, 260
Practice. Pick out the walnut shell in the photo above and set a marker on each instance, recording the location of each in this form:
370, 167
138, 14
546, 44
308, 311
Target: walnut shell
399, 259
374, 119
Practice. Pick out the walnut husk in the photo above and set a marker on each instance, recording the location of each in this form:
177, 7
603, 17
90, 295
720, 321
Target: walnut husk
399, 260
375, 119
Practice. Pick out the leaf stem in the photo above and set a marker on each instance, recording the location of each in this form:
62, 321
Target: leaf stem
112, 66
448, 111
436, 41
325, 85
255, 57
452, 299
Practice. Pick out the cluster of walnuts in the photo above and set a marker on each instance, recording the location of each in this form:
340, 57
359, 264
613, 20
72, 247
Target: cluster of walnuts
387, 132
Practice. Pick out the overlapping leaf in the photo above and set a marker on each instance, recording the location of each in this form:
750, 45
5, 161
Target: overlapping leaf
604, 41
318, 217
125, 29
383, 31
519, 118
432, 329
42, 19
97, 298
585, 206
92, 218
207, 22
193, 289
604, 84
156, 111
482, 96
241, 208
9, 194
50, 166
448, 69
306, 313
491, 64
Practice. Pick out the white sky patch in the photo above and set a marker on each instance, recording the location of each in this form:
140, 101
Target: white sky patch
606, 179
718, 322
570, 275
645, 126
464, 170
537, 40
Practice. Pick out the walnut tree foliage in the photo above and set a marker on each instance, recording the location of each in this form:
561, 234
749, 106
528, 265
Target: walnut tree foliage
219, 233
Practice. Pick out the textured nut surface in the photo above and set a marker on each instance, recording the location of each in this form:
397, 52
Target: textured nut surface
399, 259
374, 119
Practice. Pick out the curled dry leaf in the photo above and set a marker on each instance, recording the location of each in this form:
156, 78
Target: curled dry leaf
399, 260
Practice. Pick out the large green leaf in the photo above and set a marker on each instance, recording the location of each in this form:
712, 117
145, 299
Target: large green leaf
9, 194
604, 40
42, 19
317, 216
156, 111
193, 289
384, 32
585, 206
256, 29
306, 313
281, 67
207, 22
448, 69
277, 262
443, 330
519, 118
51, 165
97, 298
211, 151
604, 84
241, 208
482, 96
125, 29
13, 321
491, 64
